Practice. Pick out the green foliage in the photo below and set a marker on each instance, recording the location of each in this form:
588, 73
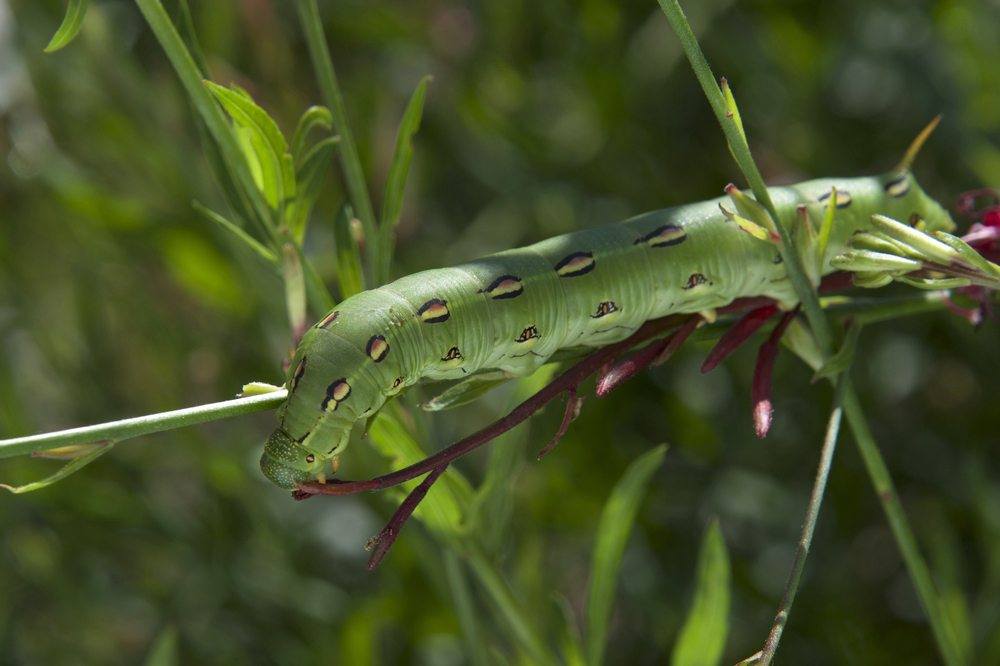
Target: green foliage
703, 637
76, 11
613, 530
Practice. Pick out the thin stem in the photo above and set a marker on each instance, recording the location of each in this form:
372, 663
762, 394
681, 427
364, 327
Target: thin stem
808, 526
919, 572
350, 163
117, 431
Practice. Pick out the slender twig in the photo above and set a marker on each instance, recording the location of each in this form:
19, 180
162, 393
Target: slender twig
117, 431
354, 176
808, 527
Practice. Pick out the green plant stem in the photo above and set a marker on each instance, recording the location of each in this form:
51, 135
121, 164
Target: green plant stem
808, 526
116, 431
350, 163
877, 471
919, 572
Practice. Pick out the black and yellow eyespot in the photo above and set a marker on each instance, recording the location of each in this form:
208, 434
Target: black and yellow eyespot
898, 186
337, 392
300, 370
528, 336
434, 311
695, 280
377, 348
505, 286
604, 309
329, 319
578, 263
843, 198
665, 236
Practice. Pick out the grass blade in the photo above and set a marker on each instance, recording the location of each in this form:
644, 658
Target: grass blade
613, 531
315, 117
395, 184
236, 230
703, 636
72, 21
309, 178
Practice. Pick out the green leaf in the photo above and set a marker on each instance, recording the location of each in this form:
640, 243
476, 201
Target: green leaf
72, 21
967, 254
703, 636
349, 273
315, 117
164, 650
801, 341
395, 183
262, 144
309, 179
869, 261
236, 230
825, 228
72, 466
613, 531
924, 244
469, 389
843, 358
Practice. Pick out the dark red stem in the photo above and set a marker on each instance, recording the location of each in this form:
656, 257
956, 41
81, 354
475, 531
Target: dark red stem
574, 403
382, 542
655, 353
763, 409
737, 334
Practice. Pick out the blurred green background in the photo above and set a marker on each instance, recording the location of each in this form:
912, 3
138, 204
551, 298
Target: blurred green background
543, 117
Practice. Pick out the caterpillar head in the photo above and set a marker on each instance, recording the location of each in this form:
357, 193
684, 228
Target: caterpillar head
287, 463
910, 202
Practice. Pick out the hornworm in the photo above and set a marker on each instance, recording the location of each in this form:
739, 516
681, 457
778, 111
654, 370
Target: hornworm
510, 312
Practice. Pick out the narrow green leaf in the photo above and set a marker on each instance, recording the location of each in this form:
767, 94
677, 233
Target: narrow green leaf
967, 254
613, 531
164, 650
923, 243
825, 228
843, 358
395, 184
72, 466
869, 261
76, 11
236, 230
315, 117
871, 280
801, 341
309, 179
258, 388
466, 391
349, 273
703, 636
935, 283
732, 110
295, 290
275, 177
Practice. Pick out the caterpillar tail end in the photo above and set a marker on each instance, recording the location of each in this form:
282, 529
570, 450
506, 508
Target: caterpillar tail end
286, 463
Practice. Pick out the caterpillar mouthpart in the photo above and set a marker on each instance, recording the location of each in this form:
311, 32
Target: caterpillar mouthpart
287, 463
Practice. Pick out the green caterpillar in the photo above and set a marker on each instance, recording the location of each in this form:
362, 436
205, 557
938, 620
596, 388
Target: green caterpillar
511, 311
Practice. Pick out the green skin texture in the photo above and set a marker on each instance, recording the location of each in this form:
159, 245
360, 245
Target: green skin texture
642, 281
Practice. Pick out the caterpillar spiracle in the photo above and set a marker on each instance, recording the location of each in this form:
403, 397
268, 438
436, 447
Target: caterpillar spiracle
511, 311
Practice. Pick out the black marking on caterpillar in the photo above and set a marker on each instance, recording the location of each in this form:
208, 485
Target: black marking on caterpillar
337, 391
530, 333
311, 458
329, 319
843, 198
453, 354
898, 186
611, 328
505, 286
434, 311
695, 280
300, 370
578, 263
531, 352
777, 259
605, 308
377, 348
397, 382
665, 236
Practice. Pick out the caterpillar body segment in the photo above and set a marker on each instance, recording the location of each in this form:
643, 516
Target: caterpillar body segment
512, 311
